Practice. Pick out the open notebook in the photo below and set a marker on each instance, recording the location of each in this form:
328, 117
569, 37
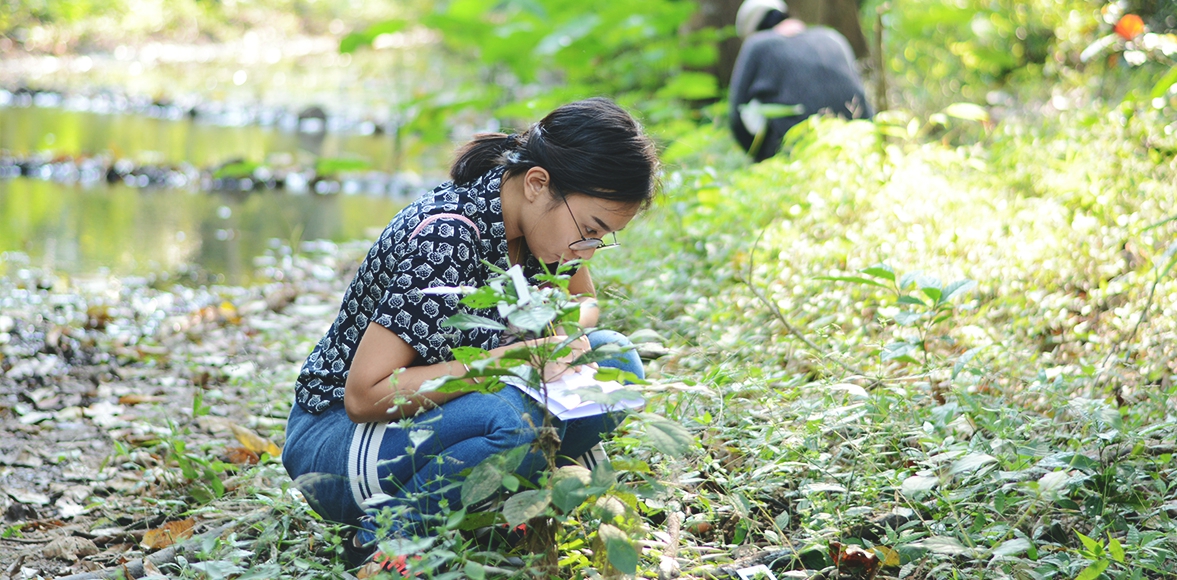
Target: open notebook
565, 399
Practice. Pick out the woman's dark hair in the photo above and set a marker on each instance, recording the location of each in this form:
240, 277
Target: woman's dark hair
772, 18
593, 147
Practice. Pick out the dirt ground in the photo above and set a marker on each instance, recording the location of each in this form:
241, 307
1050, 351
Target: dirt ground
112, 389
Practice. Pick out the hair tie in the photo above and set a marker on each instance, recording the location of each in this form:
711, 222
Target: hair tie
511, 141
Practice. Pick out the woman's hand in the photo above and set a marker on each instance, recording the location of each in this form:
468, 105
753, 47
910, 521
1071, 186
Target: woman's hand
558, 367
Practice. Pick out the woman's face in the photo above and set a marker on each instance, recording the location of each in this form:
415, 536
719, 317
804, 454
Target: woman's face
555, 225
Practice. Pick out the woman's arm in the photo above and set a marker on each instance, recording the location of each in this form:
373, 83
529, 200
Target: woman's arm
381, 386
581, 284
380, 376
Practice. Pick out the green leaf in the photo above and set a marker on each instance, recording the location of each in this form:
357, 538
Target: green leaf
908, 279
971, 462
1091, 544
667, 436
1162, 87
957, 287
1053, 482
483, 297
943, 545
620, 551
1012, 547
571, 490
526, 505
1070, 460
237, 170
474, 570
855, 279
511, 482
335, 165
897, 349
565, 35
604, 476
910, 301
778, 110
1114, 547
484, 480
1094, 570
364, 38
908, 318
533, 318
741, 533
468, 354
471, 322
933, 292
217, 569
880, 271
917, 484
965, 359
691, 86
968, 112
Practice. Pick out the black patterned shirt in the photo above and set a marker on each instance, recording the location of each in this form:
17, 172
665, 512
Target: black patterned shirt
387, 289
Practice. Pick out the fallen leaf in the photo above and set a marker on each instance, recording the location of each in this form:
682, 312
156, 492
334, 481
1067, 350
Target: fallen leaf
168, 534
137, 399
29, 497
240, 456
69, 509
254, 442
69, 548
104, 414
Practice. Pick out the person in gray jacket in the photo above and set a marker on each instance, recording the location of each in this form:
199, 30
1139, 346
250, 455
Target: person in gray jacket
785, 72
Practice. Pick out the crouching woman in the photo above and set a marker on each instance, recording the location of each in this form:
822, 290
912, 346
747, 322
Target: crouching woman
550, 194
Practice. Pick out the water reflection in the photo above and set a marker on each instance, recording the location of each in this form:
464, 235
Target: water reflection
77, 229
122, 230
151, 140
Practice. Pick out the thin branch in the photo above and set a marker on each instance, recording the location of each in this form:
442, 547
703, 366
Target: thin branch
780, 316
1161, 273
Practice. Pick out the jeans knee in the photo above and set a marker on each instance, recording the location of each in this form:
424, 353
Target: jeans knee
627, 360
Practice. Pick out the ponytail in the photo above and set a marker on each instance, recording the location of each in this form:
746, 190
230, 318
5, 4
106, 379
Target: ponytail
482, 154
591, 147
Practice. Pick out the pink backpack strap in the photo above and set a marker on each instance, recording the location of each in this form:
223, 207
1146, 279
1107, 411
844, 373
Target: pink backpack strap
439, 216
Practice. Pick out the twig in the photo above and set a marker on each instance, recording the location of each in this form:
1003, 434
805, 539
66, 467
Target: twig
780, 316
1119, 395
168, 555
28, 540
668, 565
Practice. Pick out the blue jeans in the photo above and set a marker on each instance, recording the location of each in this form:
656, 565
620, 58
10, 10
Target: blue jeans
346, 470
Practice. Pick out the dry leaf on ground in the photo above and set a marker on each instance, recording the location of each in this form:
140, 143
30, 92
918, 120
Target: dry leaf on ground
240, 456
168, 534
254, 442
69, 548
137, 399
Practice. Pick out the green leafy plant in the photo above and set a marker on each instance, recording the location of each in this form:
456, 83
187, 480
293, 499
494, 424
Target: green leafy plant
567, 506
921, 303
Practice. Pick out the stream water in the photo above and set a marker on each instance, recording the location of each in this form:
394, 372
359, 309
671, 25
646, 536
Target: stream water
97, 227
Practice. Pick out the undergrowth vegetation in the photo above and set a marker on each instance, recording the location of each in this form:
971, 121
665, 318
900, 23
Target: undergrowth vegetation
955, 352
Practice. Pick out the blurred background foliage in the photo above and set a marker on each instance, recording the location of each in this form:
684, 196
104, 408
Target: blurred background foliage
516, 58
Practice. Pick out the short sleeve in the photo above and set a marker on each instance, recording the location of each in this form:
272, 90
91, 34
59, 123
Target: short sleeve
443, 253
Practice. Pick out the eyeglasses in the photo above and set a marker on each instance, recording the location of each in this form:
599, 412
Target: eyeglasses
587, 243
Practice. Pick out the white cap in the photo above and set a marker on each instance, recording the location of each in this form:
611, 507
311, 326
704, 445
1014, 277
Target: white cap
752, 12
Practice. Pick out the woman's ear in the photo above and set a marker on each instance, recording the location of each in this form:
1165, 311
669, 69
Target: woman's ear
535, 182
